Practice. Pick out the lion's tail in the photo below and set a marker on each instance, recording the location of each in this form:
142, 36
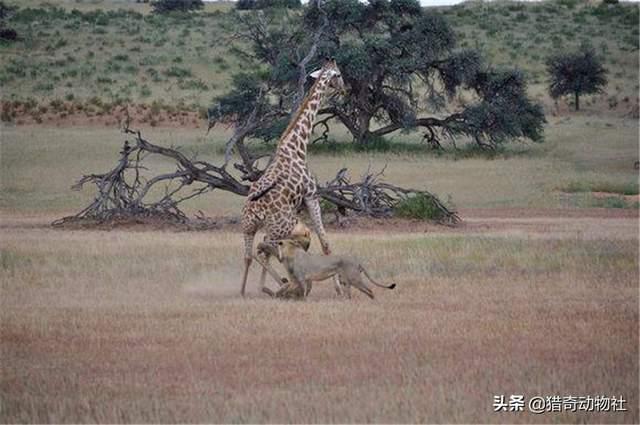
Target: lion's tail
390, 286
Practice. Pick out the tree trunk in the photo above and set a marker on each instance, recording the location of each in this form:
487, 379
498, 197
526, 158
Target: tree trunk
363, 134
577, 101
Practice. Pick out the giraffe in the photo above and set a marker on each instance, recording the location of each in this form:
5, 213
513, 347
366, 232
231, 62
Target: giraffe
286, 184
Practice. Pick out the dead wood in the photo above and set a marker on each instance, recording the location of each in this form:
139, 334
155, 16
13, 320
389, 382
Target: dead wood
131, 191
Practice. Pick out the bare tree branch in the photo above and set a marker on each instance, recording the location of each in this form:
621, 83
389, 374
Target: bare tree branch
125, 193
302, 70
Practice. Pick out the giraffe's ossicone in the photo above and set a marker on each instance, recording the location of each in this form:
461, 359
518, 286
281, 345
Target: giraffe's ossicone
287, 183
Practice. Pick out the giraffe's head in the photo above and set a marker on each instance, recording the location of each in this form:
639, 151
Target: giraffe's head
331, 73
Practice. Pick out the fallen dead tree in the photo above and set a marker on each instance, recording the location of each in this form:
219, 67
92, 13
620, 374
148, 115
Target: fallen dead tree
130, 191
373, 197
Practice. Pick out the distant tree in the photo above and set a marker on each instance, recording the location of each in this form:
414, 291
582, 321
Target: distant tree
5, 11
265, 4
245, 4
576, 73
6, 33
165, 6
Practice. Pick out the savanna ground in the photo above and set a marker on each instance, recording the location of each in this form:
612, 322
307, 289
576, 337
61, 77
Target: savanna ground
536, 293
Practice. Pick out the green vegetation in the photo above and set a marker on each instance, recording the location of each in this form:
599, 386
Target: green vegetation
104, 53
630, 188
264, 4
576, 73
166, 6
400, 65
120, 51
422, 207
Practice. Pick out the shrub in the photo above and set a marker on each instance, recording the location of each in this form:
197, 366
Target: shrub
521, 17
266, 4
166, 6
570, 4
630, 188
195, 84
145, 91
610, 202
8, 34
178, 72
422, 207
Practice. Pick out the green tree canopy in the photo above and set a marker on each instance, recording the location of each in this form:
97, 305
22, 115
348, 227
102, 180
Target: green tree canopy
576, 73
402, 70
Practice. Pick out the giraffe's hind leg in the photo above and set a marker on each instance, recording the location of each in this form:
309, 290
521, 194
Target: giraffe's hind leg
263, 260
248, 258
280, 227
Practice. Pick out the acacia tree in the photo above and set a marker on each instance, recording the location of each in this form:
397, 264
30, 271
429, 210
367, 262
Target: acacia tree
402, 71
576, 73
260, 101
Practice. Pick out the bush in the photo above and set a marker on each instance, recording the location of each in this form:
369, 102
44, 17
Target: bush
569, 4
8, 34
166, 6
630, 188
422, 207
609, 202
245, 4
266, 4
176, 71
196, 84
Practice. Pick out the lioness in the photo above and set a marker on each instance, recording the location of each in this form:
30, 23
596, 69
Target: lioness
300, 235
304, 268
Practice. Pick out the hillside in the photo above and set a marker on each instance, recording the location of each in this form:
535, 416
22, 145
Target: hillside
84, 58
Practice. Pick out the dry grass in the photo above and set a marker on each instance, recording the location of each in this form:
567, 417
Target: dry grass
40, 164
149, 327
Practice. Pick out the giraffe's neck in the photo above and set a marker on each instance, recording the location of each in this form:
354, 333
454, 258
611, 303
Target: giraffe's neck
296, 136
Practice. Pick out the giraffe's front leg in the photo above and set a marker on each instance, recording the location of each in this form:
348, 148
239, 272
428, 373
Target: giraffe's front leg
313, 207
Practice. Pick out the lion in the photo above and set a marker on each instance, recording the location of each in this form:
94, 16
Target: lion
304, 268
302, 236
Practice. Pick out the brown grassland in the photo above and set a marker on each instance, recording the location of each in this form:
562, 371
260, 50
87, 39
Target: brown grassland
536, 294
148, 327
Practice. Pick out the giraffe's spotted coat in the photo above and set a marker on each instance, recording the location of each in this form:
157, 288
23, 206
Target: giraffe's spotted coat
287, 177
